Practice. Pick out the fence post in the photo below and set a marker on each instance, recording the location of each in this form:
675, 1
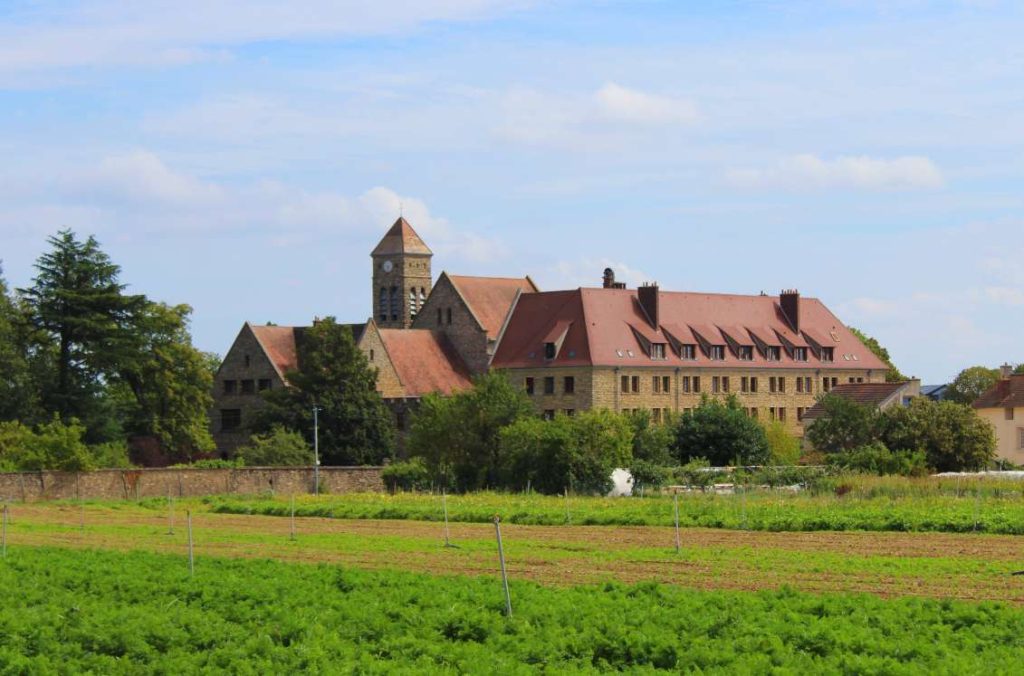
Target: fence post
977, 504
293, 518
170, 503
191, 554
568, 519
676, 501
501, 559
3, 518
444, 501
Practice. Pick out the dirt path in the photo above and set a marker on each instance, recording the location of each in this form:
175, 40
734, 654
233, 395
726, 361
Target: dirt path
888, 564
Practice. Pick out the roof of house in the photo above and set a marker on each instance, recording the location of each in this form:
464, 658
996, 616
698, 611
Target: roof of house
425, 361
401, 238
490, 298
930, 390
603, 320
281, 343
865, 394
1007, 393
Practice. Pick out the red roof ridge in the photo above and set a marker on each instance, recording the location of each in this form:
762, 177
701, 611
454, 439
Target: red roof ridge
697, 293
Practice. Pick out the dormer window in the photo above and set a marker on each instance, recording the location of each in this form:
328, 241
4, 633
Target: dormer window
772, 353
828, 354
717, 353
688, 352
745, 353
549, 351
658, 351
799, 354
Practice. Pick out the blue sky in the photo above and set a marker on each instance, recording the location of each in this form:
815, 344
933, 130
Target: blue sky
244, 157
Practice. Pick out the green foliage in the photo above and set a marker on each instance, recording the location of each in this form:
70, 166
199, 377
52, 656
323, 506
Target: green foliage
783, 447
459, 437
355, 425
277, 447
110, 455
652, 441
52, 445
412, 475
953, 437
697, 473
875, 458
722, 433
111, 613
843, 425
893, 375
970, 384
647, 475
577, 452
19, 394
210, 463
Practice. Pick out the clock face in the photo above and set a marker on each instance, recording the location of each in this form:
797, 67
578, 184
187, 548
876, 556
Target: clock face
387, 266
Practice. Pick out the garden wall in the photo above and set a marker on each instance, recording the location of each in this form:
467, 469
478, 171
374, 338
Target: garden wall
123, 484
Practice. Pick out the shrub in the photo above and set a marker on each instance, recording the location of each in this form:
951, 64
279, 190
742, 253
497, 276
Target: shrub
875, 458
843, 425
722, 433
953, 437
647, 475
211, 463
783, 447
652, 441
407, 476
698, 474
277, 447
111, 455
53, 446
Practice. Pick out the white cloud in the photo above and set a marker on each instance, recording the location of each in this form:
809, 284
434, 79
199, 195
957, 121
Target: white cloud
809, 171
632, 105
588, 272
141, 176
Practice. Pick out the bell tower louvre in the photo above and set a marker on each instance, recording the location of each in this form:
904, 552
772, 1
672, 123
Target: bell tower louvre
401, 276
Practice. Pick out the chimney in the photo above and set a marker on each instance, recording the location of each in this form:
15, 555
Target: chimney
1005, 371
790, 303
649, 301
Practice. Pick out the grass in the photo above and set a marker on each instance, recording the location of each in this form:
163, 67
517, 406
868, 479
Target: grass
139, 613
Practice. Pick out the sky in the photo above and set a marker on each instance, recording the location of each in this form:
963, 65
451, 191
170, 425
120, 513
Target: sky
245, 157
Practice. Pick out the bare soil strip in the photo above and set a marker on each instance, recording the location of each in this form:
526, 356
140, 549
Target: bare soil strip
885, 564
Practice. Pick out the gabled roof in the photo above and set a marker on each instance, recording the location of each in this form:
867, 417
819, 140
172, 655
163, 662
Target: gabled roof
865, 394
490, 298
603, 321
425, 361
401, 238
281, 343
1007, 393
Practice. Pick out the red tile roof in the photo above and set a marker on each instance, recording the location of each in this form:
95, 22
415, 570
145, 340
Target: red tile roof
865, 394
601, 335
490, 298
401, 238
280, 343
1008, 393
425, 361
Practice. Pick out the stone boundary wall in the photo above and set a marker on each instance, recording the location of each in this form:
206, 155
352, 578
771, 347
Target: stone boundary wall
124, 484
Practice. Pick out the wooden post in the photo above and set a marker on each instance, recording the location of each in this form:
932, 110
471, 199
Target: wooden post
293, 517
191, 553
3, 537
501, 559
678, 543
568, 519
170, 504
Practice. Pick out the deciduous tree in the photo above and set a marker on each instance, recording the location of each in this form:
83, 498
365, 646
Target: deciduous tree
722, 433
970, 384
893, 375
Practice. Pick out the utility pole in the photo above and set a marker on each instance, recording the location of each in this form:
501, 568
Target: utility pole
316, 451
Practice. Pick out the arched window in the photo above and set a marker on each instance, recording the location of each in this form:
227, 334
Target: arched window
423, 296
396, 303
449, 316
382, 304
412, 303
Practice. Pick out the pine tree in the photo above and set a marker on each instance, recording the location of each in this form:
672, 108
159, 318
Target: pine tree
18, 395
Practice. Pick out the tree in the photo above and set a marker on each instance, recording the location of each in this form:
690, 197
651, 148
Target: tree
458, 437
19, 397
970, 384
952, 436
334, 375
276, 447
783, 447
893, 375
722, 433
652, 441
53, 445
843, 425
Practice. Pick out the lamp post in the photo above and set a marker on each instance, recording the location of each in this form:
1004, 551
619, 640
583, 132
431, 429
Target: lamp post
316, 451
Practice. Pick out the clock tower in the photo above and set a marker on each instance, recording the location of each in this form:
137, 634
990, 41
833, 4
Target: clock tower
401, 276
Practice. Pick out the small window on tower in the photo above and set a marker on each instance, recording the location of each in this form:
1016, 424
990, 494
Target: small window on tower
383, 304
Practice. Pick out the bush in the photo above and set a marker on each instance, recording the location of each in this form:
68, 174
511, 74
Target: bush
407, 476
722, 433
953, 437
697, 473
278, 447
211, 463
647, 475
111, 455
843, 425
652, 441
783, 447
877, 459
52, 446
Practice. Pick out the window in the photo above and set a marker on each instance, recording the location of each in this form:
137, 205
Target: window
666, 384
413, 307
396, 303
746, 353
799, 384
529, 385
753, 383
771, 413
382, 304
800, 413
835, 381
570, 412
771, 385
753, 413
860, 380
772, 353
371, 355
688, 352
718, 353
423, 297
716, 384
657, 351
725, 383
549, 351
808, 385
625, 384
782, 414
400, 420
696, 383
248, 387
230, 419
1009, 413
828, 354
686, 383
799, 354
635, 382
448, 316
229, 386
744, 384
247, 361
852, 380
549, 385
825, 385
569, 385
549, 414
656, 384
439, 322
782, 384
264, 384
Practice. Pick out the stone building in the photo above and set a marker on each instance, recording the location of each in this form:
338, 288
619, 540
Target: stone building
1002, 406
628, 349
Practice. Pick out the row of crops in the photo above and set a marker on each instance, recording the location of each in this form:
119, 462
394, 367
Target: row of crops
117, 613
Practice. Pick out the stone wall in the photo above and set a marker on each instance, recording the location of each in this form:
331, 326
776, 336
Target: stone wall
116, 484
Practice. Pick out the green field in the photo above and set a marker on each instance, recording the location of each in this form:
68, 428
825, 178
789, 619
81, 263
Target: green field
140, 613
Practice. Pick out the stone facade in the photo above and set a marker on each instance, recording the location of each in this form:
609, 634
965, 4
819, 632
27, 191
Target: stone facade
116, 484
388, 384
446, 312
602, 387
245, 372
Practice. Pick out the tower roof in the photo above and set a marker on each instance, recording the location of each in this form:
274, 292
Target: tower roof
401, 238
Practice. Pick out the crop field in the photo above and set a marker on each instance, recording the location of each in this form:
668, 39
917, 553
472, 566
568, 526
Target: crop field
105, 587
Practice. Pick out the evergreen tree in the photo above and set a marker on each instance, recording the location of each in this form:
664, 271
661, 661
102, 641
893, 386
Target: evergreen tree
18, 394
333, 374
